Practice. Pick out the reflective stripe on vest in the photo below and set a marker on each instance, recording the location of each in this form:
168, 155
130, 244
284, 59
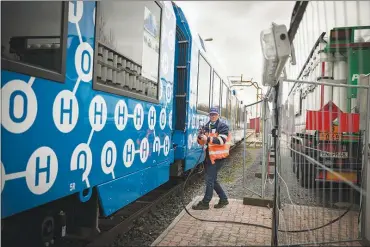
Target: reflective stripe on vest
219, 152
216, 151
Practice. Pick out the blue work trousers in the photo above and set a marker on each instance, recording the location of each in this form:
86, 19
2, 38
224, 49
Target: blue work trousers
211, 180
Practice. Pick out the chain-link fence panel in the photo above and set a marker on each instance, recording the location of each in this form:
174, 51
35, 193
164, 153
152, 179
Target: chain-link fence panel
323, 135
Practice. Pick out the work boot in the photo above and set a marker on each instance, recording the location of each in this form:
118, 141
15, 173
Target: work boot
221, 203
201, 206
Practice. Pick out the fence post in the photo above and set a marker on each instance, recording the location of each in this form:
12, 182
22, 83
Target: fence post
264, 149
275, 209
244, 141
365, 200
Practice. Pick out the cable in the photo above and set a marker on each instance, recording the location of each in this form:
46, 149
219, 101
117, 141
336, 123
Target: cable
251, 224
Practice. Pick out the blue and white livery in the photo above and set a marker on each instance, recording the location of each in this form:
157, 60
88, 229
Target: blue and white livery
101, 103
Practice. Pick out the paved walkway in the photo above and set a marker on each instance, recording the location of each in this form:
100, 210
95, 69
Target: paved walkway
187, 231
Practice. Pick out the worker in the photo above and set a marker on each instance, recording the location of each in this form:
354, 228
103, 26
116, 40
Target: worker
216, 140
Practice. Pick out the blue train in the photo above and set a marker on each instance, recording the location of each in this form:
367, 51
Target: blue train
101, 103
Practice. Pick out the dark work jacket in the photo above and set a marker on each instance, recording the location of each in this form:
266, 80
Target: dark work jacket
220, 128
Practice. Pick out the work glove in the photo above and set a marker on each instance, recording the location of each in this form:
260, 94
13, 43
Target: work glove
202, 137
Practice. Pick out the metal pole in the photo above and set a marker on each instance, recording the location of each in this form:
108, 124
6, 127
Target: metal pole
329, 84
264, 149
244, 145
275, 212
365, 162
255, 103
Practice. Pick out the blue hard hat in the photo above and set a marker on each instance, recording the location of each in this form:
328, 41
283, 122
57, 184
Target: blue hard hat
213, 110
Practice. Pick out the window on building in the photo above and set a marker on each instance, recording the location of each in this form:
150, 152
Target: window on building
204, 81
128, 48
224, 100
216, 90
33, 38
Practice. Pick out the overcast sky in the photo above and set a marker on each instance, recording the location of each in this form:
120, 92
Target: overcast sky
235, 27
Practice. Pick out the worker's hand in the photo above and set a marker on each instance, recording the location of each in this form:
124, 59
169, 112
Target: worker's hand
203, 138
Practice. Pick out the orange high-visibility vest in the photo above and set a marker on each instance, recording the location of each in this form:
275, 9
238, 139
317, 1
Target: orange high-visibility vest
217, 151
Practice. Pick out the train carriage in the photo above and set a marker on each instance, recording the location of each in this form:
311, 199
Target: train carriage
199, 85
101, 103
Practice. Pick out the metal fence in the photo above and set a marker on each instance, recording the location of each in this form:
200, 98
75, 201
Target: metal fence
321, 169
257, 132
323, 103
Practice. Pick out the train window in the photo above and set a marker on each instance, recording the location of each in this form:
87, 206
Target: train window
204, 80
128, 49
241, 118
233, 112
216, 90
237, 113
242, 113
229, 104
224, 100
33, 38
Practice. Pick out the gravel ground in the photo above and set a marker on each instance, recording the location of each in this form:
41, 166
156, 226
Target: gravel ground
147, 228
231, 176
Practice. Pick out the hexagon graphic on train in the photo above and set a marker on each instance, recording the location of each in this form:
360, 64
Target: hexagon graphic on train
162, 118
65, 111
168, 92
81, 159
170, 120
108, 158
42, 170
18, 106
129, 153
84, 62
76, 15
144, 150
156, 145
152, 118
166, 146
98, 113
121, 115
138, 116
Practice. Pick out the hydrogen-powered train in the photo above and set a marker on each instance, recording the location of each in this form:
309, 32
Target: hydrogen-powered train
101, 103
